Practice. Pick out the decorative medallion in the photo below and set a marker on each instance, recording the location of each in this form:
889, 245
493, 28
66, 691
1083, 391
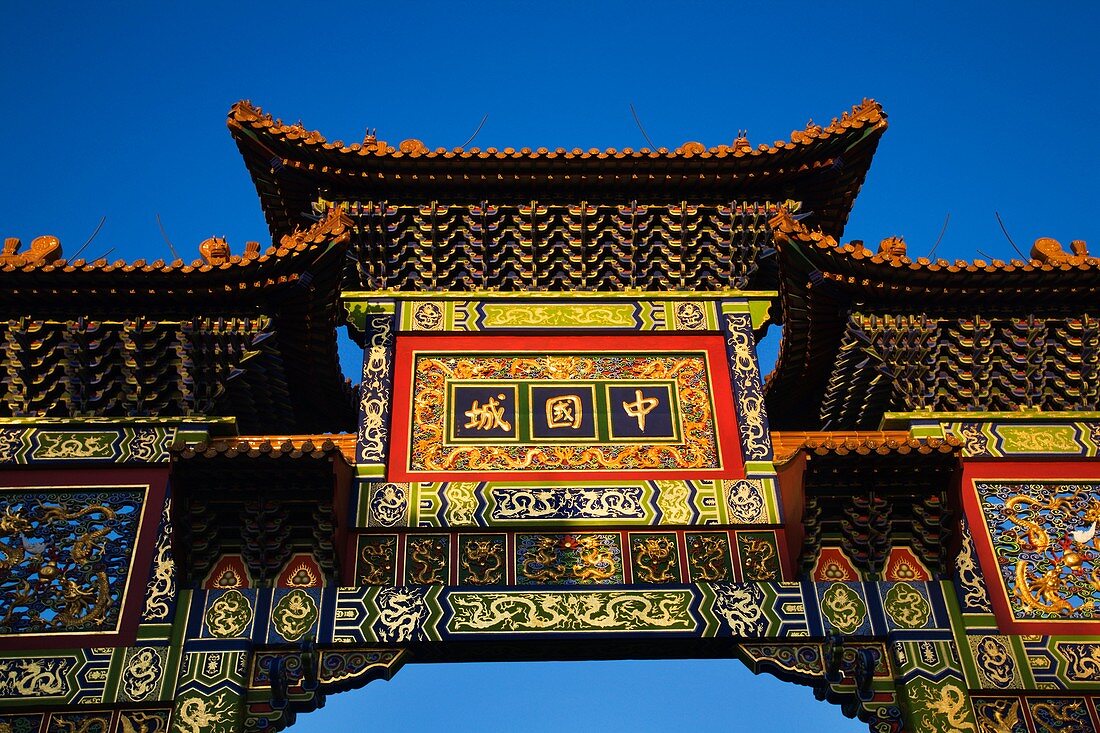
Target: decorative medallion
907, 607
229, 615
843, 608
294, 614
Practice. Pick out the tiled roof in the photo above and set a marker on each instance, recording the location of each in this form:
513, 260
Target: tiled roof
821, 166
865, 333
333, 229
275, 446
882, 442
866, 115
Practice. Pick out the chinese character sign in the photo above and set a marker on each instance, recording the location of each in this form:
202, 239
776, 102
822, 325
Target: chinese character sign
584, 408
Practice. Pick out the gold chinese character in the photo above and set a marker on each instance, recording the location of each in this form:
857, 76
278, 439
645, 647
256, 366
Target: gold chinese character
640, 407
563, 411
489, 416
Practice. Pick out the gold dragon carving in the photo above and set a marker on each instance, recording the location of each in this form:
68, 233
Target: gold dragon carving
483, 560
1045, 591
655, 559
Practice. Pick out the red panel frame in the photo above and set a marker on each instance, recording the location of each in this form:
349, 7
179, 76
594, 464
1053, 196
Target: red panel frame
156, 479
983, 543
725, 417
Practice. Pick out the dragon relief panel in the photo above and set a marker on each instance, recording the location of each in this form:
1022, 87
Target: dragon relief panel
65, 557
654, 558
1044, 536
568, 559
426, 559
482, 560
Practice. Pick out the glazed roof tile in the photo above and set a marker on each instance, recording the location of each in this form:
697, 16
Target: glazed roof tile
787, 444
865, 262
274, 446
821, 166
822, 283
867, 114
333, 229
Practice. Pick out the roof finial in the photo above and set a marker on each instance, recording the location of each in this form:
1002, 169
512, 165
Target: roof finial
1051, 252
46, 248
892, 248
215, 251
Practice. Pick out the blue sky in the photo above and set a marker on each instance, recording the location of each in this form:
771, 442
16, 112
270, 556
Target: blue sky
119, 111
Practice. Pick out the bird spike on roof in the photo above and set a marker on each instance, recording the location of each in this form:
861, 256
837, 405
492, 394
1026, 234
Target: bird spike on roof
45, 252
866, 113
1047, 254
821, 166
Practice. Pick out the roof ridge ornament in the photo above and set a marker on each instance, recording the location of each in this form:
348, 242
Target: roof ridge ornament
1050, 251
46, 248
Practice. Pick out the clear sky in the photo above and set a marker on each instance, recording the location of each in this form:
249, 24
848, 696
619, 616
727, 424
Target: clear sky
120, 111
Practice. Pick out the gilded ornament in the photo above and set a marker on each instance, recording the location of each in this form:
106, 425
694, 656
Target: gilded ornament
559, 315
655, 558
294, 614
142, 672
1044, 535
197, 713
843, 607
757, 558
999, 715
141, 721
375, 389
741, 605
708, 557
436, 422
74, 445
745, 501
745, 375
995, 661
571, 611
941, 708
229, 614
376, 559
907, 607
1083, 660
162, 585
30, 677
483, 560
428, 560
389, 504
402, 613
